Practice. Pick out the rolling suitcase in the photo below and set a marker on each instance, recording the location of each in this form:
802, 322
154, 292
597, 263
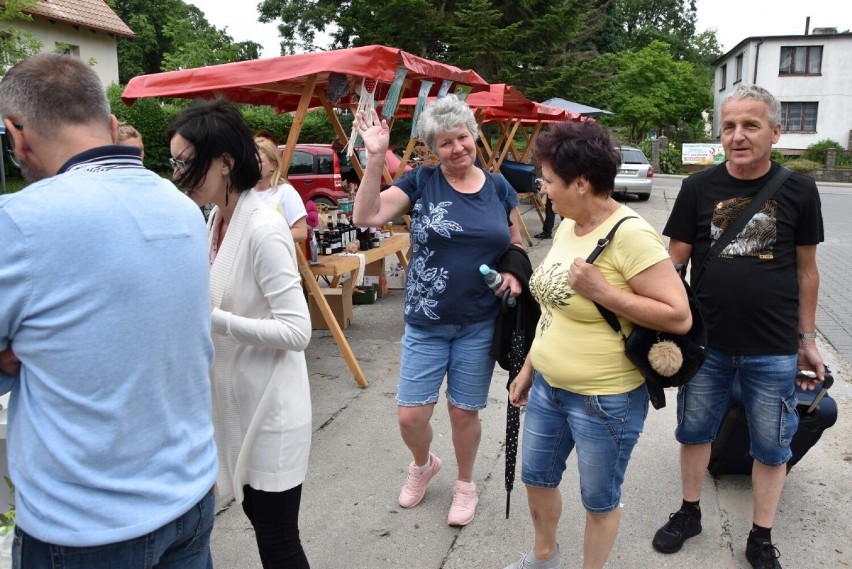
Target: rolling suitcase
729, 453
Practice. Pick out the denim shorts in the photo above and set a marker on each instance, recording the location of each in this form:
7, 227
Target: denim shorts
769, 399
602, 428
459, 351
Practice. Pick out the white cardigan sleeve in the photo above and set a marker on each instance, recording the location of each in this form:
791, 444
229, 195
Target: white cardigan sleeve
273, 264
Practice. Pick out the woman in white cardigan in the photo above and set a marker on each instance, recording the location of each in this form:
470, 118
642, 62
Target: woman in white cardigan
261, 326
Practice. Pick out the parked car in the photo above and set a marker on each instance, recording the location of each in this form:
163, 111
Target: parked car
392, 161
319, 173
636, 175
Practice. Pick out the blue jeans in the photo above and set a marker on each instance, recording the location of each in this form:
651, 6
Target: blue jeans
459, 351
181, 544
769, 399
602, 428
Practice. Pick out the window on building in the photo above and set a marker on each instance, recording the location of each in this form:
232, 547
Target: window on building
798, 117
63, 48
739, 68
723, 77
801, 60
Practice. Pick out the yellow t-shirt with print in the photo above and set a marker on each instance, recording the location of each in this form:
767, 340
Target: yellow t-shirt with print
574, 348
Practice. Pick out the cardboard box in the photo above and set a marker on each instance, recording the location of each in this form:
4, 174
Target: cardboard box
394, 273
340, 301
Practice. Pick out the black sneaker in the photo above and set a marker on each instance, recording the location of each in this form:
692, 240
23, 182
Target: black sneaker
681, 526
542, 235
762, 554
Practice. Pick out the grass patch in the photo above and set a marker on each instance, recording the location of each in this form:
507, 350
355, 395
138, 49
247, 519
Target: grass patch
13, 184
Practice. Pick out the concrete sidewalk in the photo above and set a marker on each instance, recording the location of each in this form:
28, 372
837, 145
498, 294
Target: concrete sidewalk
350, 517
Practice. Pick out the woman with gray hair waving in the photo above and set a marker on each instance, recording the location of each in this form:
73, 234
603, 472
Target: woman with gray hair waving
462, 217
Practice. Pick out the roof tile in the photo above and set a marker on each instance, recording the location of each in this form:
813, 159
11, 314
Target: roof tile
92, 14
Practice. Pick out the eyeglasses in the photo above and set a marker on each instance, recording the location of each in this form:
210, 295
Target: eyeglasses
10, 146
179, 166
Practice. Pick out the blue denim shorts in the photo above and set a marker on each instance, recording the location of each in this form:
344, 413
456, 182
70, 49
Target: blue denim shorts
459, 351
602, 428
769, 400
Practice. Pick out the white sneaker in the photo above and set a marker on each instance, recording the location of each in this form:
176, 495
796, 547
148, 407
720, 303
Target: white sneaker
529, 561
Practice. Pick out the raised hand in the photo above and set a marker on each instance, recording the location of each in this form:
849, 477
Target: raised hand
374, 131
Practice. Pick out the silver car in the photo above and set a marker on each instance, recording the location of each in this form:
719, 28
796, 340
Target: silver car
636, 175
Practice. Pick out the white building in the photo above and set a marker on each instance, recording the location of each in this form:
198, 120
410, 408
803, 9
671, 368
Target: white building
84, 28
810, 74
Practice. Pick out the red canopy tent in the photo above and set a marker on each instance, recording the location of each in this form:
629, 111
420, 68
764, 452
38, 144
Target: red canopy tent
297, 83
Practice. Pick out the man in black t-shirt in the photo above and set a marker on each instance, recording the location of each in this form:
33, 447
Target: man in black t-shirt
759, 298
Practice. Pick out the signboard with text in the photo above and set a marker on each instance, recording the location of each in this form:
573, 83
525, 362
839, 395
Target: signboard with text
703, 153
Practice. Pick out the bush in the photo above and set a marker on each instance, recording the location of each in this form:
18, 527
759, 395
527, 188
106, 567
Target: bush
671, 159
816, 152
803, 166
151, 118
263, 118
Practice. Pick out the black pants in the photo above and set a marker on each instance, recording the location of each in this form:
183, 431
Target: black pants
549, 217
275, 518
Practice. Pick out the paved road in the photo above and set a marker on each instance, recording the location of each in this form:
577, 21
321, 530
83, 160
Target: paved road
350, 518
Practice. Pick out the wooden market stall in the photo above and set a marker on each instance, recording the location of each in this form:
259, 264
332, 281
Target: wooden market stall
336, 79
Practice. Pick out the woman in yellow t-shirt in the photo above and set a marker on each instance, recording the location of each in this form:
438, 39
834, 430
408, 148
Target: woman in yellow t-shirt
581, 392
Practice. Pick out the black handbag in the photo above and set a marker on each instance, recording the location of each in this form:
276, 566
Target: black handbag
663, 359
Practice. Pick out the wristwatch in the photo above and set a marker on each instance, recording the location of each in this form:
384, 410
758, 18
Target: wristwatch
807, 335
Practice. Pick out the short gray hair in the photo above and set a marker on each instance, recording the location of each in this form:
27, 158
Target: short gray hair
445, 115
749, 91
48, 91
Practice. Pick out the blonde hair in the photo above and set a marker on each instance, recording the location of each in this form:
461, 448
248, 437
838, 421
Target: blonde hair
268, 148
126, 131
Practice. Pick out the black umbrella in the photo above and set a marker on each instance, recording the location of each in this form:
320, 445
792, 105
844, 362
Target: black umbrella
517, 354
514, 332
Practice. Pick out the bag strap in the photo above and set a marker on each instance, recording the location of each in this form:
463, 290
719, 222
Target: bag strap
608, 314
741, 220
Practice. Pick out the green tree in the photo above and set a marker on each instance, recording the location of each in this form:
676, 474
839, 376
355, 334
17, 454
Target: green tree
171, 34
15, 44
196, 43
634, 24
653, 91
503, 40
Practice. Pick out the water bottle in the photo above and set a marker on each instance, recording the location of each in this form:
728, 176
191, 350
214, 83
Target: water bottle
313, 247
494, 279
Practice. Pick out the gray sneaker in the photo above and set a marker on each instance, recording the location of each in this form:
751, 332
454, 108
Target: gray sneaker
529, 561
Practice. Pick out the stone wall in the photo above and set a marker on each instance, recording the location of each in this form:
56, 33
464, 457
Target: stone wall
838, 175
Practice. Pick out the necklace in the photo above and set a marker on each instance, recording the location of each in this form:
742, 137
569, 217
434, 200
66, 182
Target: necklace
452, 179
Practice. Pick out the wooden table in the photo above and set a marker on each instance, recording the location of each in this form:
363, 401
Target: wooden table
337, 266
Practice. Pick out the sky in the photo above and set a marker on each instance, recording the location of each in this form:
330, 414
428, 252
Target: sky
734, 20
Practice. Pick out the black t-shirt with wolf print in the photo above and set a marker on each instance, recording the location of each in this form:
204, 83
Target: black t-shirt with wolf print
750, 294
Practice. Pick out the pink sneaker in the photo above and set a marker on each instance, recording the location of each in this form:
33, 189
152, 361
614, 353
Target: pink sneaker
415, 485
463, 508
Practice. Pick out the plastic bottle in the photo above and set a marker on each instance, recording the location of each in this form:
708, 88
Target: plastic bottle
494, 279
313, 247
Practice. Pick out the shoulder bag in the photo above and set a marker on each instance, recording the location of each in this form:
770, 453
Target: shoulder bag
671, 360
